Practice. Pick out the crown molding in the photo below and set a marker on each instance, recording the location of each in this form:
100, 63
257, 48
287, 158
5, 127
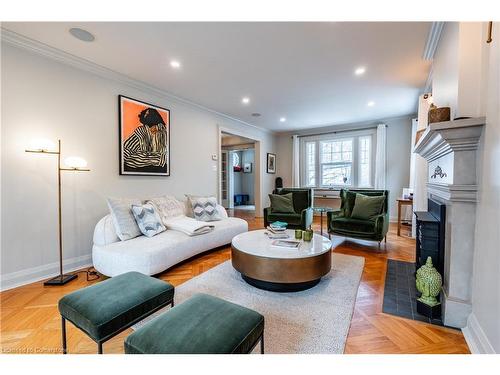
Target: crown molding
432, 40
23, 42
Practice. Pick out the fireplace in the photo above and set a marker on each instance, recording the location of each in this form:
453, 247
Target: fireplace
450, 149
430, 235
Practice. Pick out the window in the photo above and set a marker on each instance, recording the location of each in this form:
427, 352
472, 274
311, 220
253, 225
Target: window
310, 164
338, 161
236, 159
365, 144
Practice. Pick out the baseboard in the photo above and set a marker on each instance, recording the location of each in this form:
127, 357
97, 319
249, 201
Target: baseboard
476, 338
32, 275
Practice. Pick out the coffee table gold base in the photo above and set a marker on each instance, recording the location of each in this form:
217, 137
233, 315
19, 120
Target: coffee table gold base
281, 274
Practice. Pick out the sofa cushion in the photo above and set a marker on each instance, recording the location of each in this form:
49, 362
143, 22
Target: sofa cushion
282, 203
121, 213
201, 325
104, 308
366, 207
168, 207
353, 226
147, 219
204, 208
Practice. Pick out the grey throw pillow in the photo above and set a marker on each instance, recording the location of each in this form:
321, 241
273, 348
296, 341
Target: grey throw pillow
147, 219
204, 208
123, 219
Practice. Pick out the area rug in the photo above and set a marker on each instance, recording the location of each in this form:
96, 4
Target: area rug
316, 320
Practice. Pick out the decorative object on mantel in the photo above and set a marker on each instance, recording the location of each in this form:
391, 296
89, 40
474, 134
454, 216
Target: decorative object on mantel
438, 114
74, 164
418, 135
438, 172
428, 283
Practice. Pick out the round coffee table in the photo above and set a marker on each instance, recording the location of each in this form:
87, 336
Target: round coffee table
280, 269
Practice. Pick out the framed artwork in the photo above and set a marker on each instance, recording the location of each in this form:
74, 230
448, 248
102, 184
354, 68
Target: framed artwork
247, 168
271, 163
144, 138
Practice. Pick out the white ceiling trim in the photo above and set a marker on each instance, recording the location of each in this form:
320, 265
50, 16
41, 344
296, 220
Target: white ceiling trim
43, 49
432, 40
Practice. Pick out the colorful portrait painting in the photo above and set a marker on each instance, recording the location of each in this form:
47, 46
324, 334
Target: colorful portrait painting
144, 138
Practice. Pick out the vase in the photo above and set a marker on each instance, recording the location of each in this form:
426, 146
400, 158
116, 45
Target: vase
308, 235
428, 283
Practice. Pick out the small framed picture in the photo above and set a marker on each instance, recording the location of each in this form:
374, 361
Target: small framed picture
271, 163
247, 168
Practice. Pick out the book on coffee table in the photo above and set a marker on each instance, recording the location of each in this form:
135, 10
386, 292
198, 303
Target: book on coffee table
289, 244
274, 236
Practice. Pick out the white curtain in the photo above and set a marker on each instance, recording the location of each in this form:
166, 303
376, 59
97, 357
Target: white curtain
295, 161
380, 157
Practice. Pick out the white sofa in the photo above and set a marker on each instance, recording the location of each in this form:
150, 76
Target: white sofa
153, 255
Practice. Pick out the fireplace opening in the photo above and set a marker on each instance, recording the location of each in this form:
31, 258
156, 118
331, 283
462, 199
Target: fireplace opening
430, 226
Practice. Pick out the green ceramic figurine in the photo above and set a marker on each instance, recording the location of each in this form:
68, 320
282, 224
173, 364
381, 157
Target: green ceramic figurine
428, 283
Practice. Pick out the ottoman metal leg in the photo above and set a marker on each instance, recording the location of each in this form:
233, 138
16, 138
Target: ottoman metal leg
99, 347
262, 344
63, 330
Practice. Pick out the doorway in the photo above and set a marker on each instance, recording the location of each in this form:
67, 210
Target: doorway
239, 175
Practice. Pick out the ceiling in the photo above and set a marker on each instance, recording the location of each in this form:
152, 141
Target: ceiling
298, 70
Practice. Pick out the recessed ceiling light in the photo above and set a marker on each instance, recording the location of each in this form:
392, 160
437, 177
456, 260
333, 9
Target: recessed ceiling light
360, 71
256, 114
282, 119
175, 64
371, 103
245, 100
81, 34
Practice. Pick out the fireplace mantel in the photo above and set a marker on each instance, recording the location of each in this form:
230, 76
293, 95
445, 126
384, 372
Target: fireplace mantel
450, 149
441, 138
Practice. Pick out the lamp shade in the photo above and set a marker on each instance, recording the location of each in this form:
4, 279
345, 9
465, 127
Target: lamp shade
75, 162
42, 145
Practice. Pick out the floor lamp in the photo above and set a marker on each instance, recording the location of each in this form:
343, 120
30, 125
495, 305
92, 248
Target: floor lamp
74, 164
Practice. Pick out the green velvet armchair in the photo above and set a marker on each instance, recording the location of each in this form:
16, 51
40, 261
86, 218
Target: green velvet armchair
374, 229
302, 204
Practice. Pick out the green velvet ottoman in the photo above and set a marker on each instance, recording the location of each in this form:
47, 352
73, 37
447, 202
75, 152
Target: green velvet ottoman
105, 309
202, 325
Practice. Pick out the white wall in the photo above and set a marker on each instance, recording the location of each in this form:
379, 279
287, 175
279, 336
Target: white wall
398, 154
457, 69
42, 98
466, 75
484, 322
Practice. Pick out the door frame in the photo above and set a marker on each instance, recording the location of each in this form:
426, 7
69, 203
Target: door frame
258, 167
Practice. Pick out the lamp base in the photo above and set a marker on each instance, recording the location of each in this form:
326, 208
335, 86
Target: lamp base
60, 280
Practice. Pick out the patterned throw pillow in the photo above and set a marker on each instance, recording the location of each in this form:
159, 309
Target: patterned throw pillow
204, 208
168, 207
147, 219
123, 219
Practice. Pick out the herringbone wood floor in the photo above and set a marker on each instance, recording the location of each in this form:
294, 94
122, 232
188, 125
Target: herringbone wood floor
30, 322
